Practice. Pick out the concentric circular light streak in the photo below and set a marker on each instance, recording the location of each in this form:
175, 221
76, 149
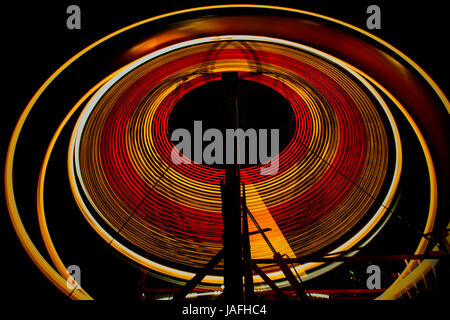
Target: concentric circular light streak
128, 177
330, 174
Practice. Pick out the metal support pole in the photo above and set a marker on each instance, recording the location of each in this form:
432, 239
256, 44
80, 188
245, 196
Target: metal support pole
246, 251
231, 209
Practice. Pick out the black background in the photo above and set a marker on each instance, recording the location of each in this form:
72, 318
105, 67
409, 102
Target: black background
36, 42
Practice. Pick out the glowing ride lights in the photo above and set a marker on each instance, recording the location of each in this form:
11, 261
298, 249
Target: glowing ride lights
214, 152
394, 61
126, 124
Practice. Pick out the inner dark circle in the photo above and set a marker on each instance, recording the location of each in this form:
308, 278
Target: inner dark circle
258, 107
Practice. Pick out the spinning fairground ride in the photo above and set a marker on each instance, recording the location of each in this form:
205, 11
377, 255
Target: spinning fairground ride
355, 208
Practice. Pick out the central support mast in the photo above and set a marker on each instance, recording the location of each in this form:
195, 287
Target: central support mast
231, 206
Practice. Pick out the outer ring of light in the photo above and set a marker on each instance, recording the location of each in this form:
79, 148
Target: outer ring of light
74, 151
60, 282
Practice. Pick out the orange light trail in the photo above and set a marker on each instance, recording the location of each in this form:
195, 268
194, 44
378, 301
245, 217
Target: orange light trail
272, 199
